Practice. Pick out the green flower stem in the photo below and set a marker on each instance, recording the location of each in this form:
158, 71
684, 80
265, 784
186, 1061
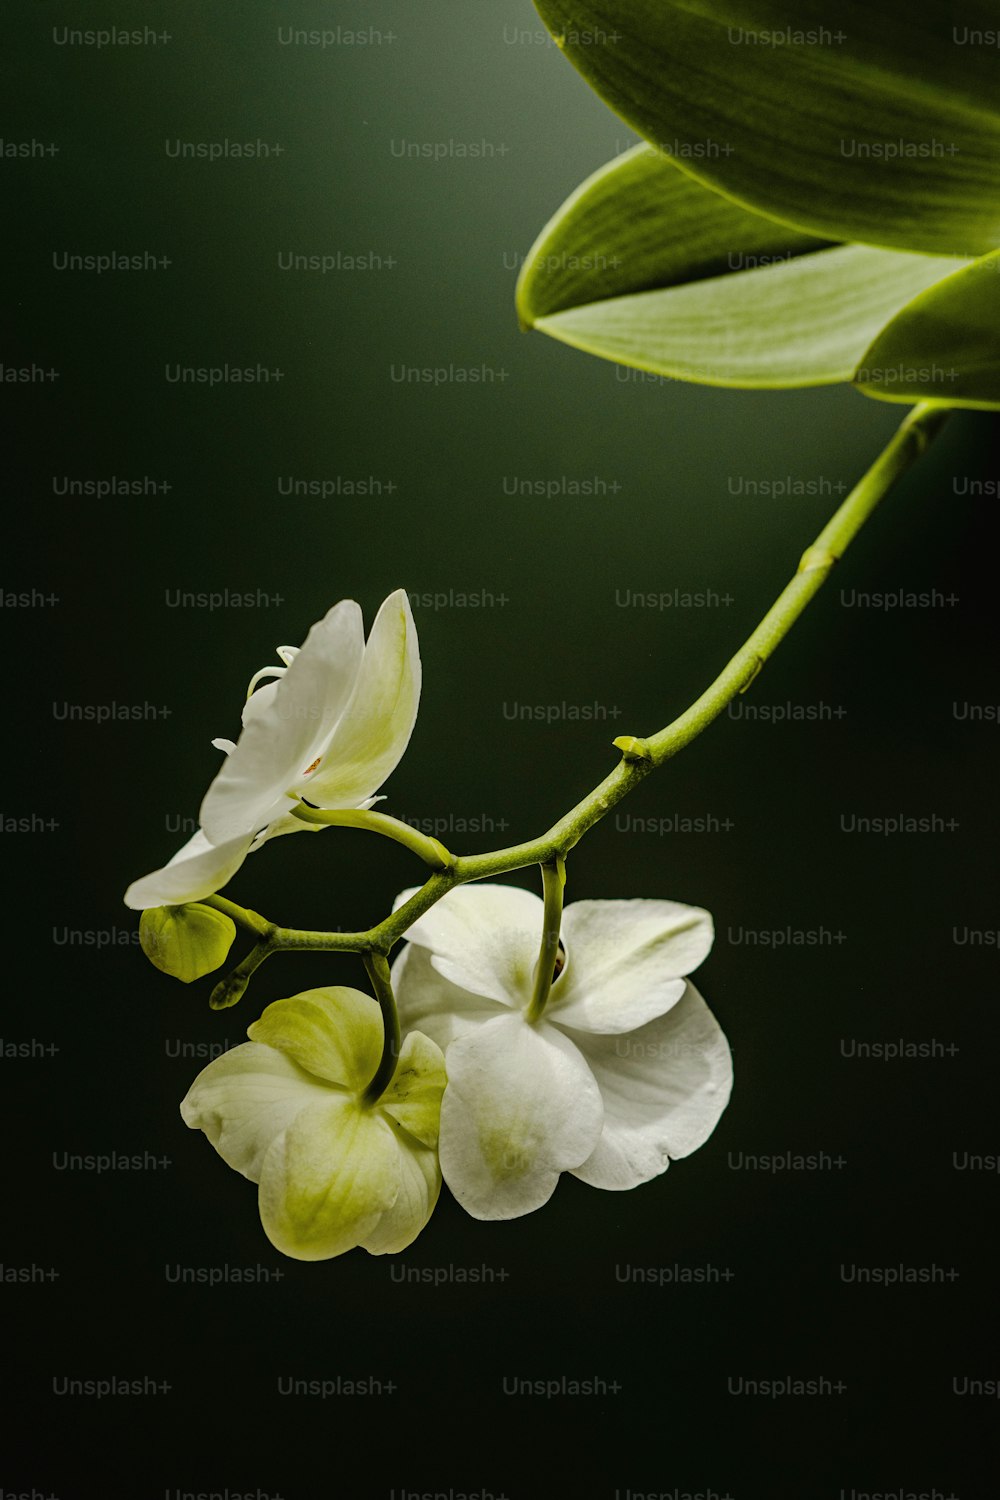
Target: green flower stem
296, 939
639, 756
430, 850
378, 972
553, 885
281, 940
251, 920
910, 441
229, 990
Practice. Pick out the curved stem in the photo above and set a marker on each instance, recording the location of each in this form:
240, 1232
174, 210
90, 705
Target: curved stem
251, 920
430, 850
553, 885
639, 756
378, 973
815, 566
229, 990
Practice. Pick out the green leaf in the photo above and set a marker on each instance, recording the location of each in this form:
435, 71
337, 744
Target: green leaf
186, 942
646, 267
639, 223
805, 322
870, 122
942, 346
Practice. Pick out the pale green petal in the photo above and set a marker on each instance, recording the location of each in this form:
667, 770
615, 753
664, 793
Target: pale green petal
328, 1179
197, 870
335, 1034
375, 728
413, 1098
483, 938
521, 1106
432, 1004
245, 1099
626, 961
664, 1088
419, 1187
279, 743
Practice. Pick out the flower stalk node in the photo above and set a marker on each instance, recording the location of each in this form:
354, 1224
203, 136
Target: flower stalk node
814, 558
633, 748
753, 672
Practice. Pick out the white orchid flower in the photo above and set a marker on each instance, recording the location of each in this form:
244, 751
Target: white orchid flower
330, 729
288, 1110
626, 1069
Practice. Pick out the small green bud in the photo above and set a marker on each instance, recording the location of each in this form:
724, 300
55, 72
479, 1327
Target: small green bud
186, 941
228, 991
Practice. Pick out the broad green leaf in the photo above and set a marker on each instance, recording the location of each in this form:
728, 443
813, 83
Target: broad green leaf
943, 346
877, 122
805, 321
638, 224
646, 266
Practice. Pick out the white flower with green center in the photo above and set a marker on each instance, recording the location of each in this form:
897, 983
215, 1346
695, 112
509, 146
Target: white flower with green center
329, 730
625, 1069
288, 1109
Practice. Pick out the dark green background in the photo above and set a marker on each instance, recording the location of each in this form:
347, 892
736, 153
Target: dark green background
456, 72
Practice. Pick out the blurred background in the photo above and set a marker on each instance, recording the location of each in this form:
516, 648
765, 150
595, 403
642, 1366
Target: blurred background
528, 501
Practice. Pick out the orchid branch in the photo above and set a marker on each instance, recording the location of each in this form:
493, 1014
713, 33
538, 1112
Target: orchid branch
553, 886
639, 758
430, 850
378, 972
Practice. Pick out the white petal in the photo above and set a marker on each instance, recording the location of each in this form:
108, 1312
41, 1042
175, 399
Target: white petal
261, 700
430, 1003
521, 1106
281, 740
419, 1188
375, 728
244, 1100
664, 1087
198, 870
484, 938
625, 962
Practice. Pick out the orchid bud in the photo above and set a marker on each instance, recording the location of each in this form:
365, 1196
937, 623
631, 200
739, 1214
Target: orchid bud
186, 941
